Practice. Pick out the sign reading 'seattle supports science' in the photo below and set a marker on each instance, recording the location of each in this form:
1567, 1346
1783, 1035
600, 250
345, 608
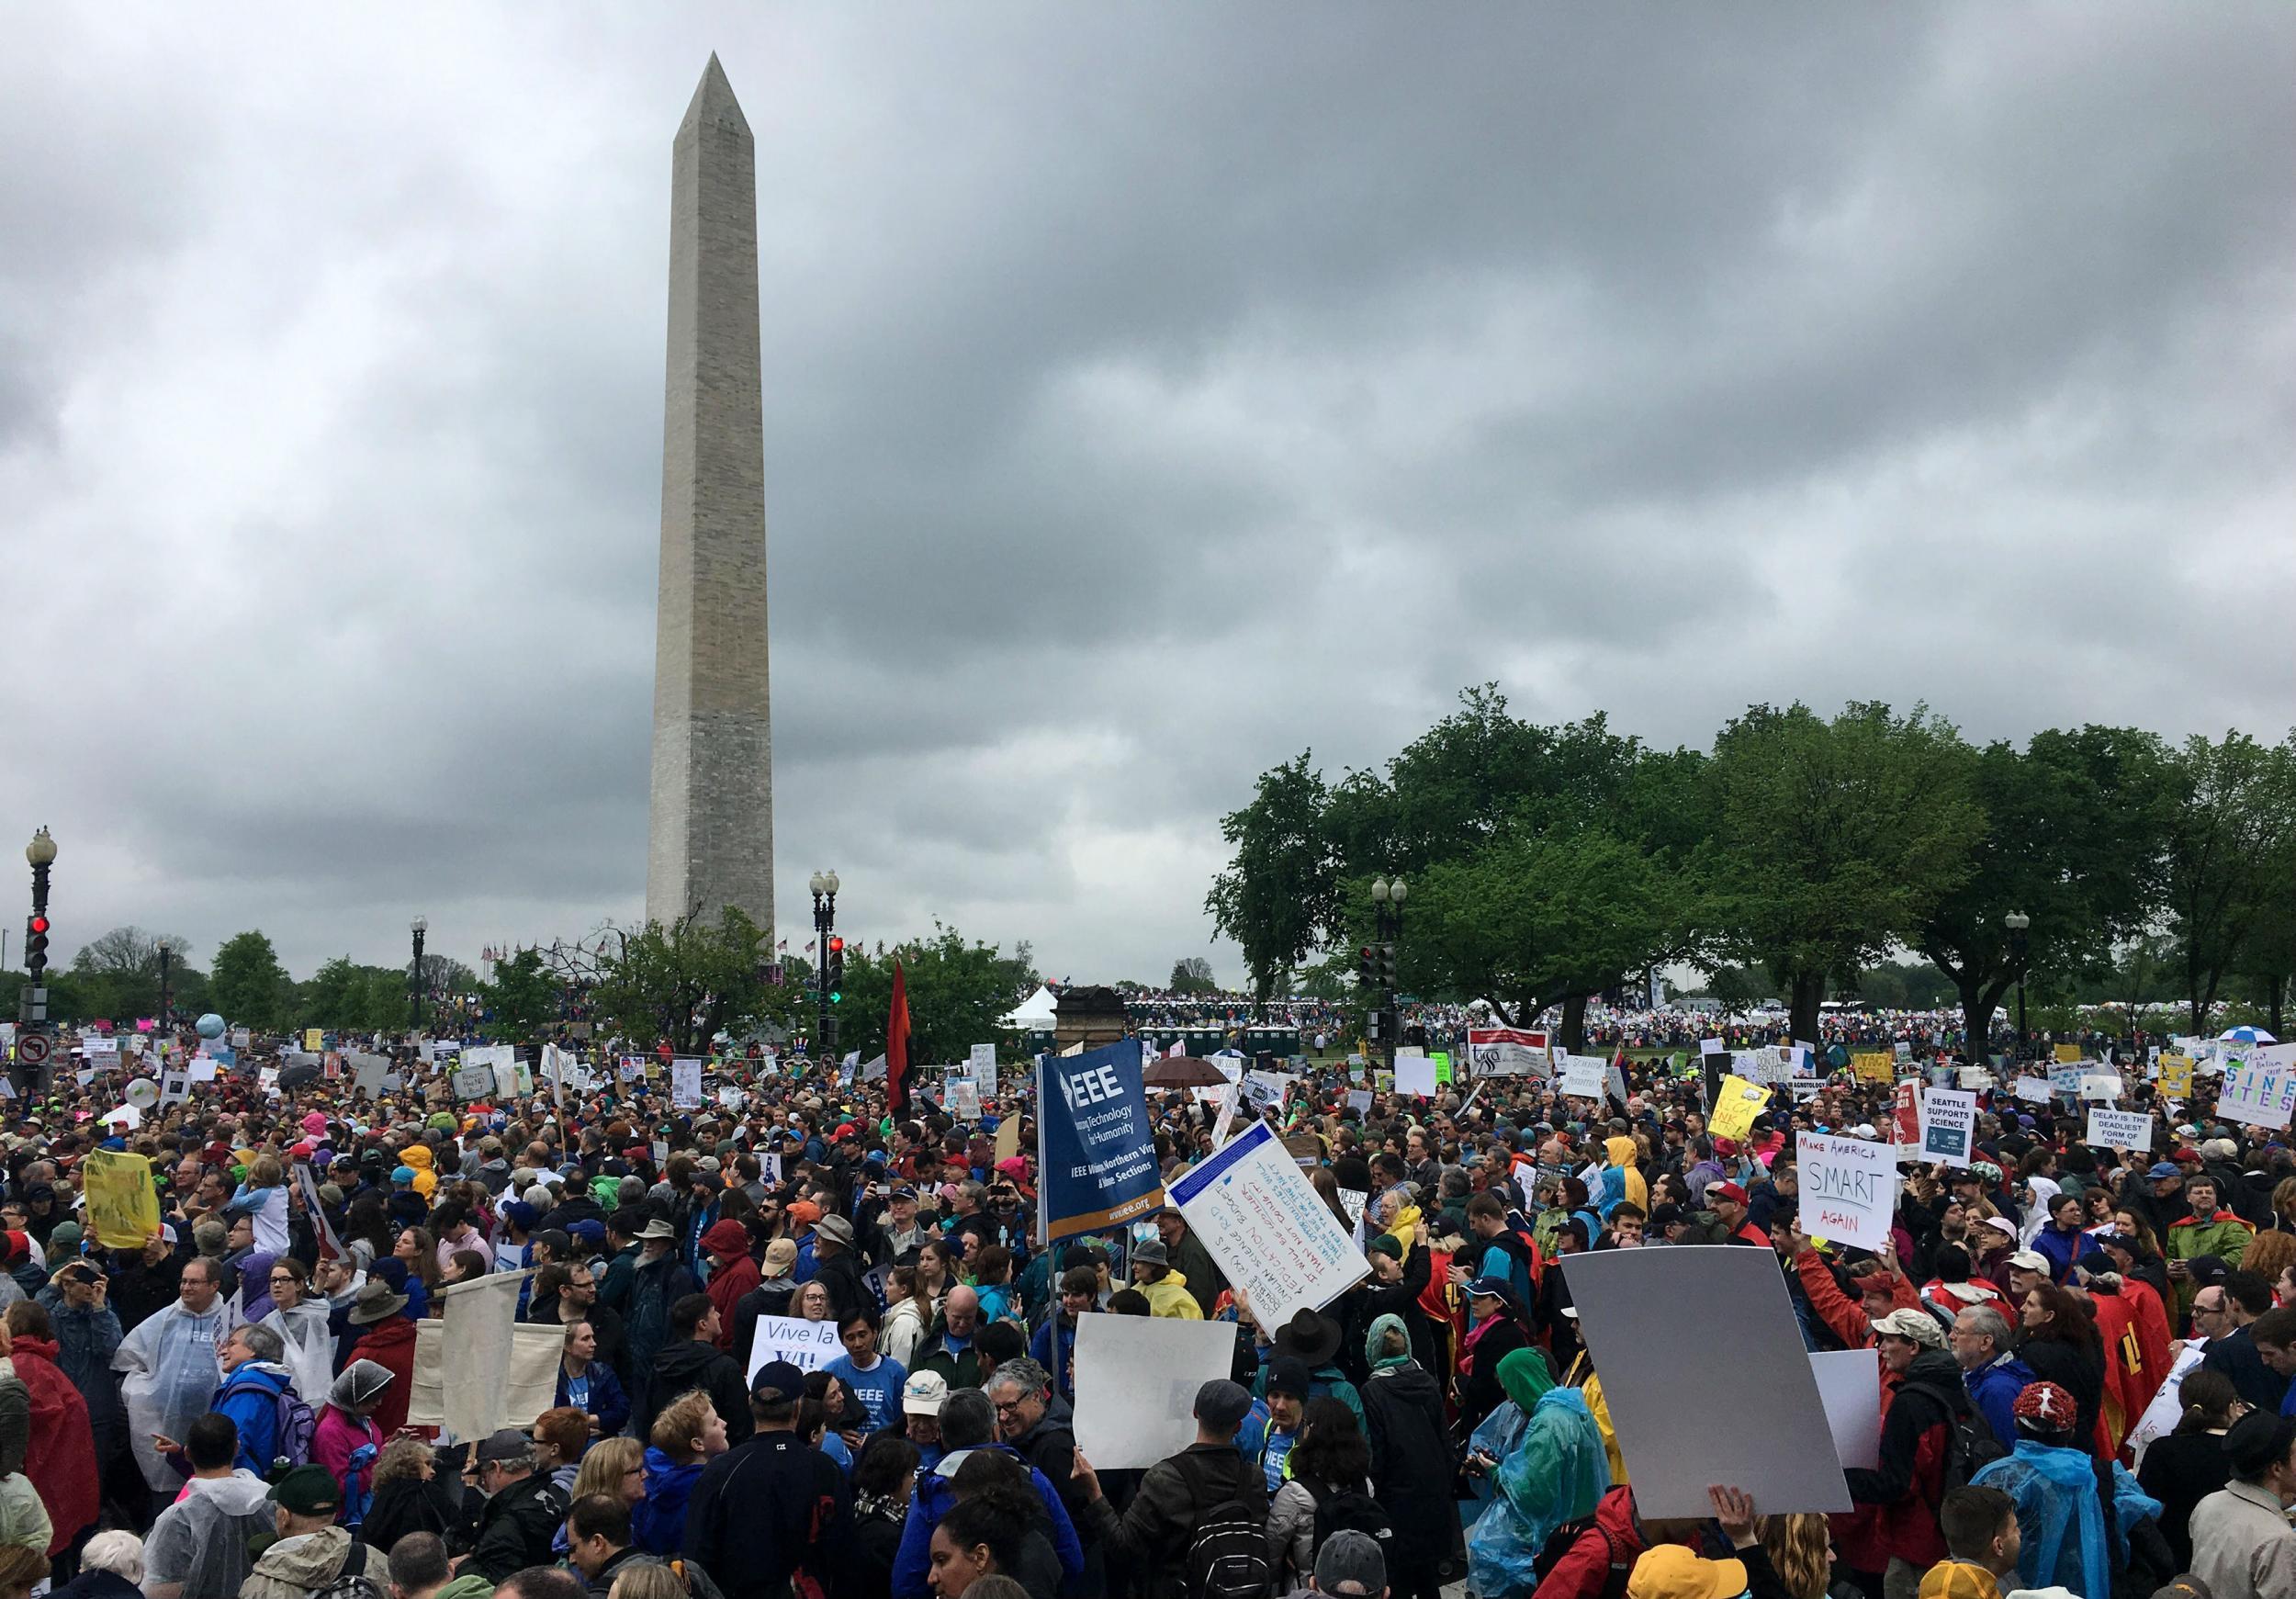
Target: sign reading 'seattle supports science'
1096, 1151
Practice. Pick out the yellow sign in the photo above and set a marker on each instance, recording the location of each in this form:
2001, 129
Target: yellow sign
2176, 1077
2068, 1054
122, 1205
1880, 1066
1734, 1107
314, 1039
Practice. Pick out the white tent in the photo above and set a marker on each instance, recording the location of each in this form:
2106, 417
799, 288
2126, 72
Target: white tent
1034, 1013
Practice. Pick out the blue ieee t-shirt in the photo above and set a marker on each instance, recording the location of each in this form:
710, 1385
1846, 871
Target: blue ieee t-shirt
879, 1387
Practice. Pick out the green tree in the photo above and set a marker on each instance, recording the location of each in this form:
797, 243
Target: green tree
1277, 897
958, 992
522, 1003
1837, 838
1192, 975
684, 981
2074, 835
2233, 826
117, 977
251, 987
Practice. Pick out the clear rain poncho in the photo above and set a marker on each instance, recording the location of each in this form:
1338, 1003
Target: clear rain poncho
309, 1357
171, 1374
1557, 1472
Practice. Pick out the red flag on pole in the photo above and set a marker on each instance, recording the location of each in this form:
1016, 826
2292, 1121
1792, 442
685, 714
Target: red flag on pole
897, 1044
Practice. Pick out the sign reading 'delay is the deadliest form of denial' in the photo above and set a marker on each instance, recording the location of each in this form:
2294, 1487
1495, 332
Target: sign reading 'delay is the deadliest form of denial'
1095, 1152
1268, 1228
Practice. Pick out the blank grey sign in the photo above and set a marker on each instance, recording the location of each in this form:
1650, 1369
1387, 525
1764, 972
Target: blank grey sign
1706, 1381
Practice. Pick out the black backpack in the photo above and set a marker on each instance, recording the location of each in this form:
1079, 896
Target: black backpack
1969, 1441
1347, 1510
1560, 1541
1227, 1554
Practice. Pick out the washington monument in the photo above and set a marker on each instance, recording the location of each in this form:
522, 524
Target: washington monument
711, 841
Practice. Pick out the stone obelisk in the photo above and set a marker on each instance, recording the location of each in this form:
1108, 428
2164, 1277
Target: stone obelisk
711, 840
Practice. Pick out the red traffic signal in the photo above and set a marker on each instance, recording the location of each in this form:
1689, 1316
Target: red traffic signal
837, 945
40, 924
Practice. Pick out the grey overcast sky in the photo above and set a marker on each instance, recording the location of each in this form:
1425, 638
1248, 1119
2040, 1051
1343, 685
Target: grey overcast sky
1151, 393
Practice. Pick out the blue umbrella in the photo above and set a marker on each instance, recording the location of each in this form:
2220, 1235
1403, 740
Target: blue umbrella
2247, 1035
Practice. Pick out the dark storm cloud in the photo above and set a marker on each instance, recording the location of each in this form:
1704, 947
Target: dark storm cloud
1148, 396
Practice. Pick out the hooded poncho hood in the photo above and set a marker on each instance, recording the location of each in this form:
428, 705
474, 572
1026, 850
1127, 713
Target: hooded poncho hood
361, 1380
1524, 1375
1377, 1335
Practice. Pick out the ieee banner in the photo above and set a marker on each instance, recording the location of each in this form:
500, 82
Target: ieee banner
1095, 1152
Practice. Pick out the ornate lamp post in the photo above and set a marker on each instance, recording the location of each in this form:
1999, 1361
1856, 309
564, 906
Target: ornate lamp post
414, 977
824, 885
2017, 921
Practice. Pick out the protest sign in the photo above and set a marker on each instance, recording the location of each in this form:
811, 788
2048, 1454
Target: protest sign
2176, 1077
1359, 1101
2065, 1079
473, 1082
2119, 1129
1008, 1137
1658, 1369
2067, 1053
1735, 1104
1848, 1188
1850, 1388
965, 1098
2261, 1091
809, 1346
685, 1083
477, 1367
1264, 1088
1095, 1150
1874, 1066
123, 1207
1977, 1079
314, 1040
1268, 1228
2033, 1091
981, 1063
366, 1075
1136, 1383
1949, 1124
200, 1069
1758, 1065
1507, 1052
105, 1048
2095, 1086
1415, 1075
1581, 1076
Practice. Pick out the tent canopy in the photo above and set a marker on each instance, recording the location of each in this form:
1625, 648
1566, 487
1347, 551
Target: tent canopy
1034, 1014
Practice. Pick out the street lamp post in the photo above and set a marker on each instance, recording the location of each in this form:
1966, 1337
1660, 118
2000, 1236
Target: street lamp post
414, 977
166, 1029
1387, 908
824, 885
2017, 921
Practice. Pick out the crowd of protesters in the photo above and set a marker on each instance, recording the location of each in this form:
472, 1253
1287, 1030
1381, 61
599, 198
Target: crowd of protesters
2085, 1355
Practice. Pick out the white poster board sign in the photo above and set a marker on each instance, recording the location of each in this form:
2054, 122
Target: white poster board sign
2119, 1129
473, 1082
807, 1345
2261, 1091
1949, 1125
1848, 1188
1136, 1382
981, 1066
1415, 1075
1266, 1088
2033, 1091
685, 1083
1580, 1076
1658, 1367
1849, 1383
2096, 1085
481, 1370
1268, 1228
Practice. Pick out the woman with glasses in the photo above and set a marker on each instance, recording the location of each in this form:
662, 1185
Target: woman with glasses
301, 1322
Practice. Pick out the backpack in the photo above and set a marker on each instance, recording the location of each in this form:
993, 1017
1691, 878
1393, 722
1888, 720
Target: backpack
1969, 1441
352, 1581
1227, 1555
1561, 1542
1347, 1510
292, 1425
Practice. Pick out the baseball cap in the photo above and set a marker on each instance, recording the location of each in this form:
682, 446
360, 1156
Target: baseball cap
1485, 1287
1351, 1562
312, 1490
2001, 1224
2030, 1260
1289, 1374
779, 1380
1915, 1326
1672, 1571
1736, 1196
922, 1394
1221, 1404
2165, 1168
504, 1444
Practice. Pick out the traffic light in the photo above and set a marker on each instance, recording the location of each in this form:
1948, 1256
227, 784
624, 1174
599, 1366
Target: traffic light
1387, 968
833, 972
35, 942
1367, 968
